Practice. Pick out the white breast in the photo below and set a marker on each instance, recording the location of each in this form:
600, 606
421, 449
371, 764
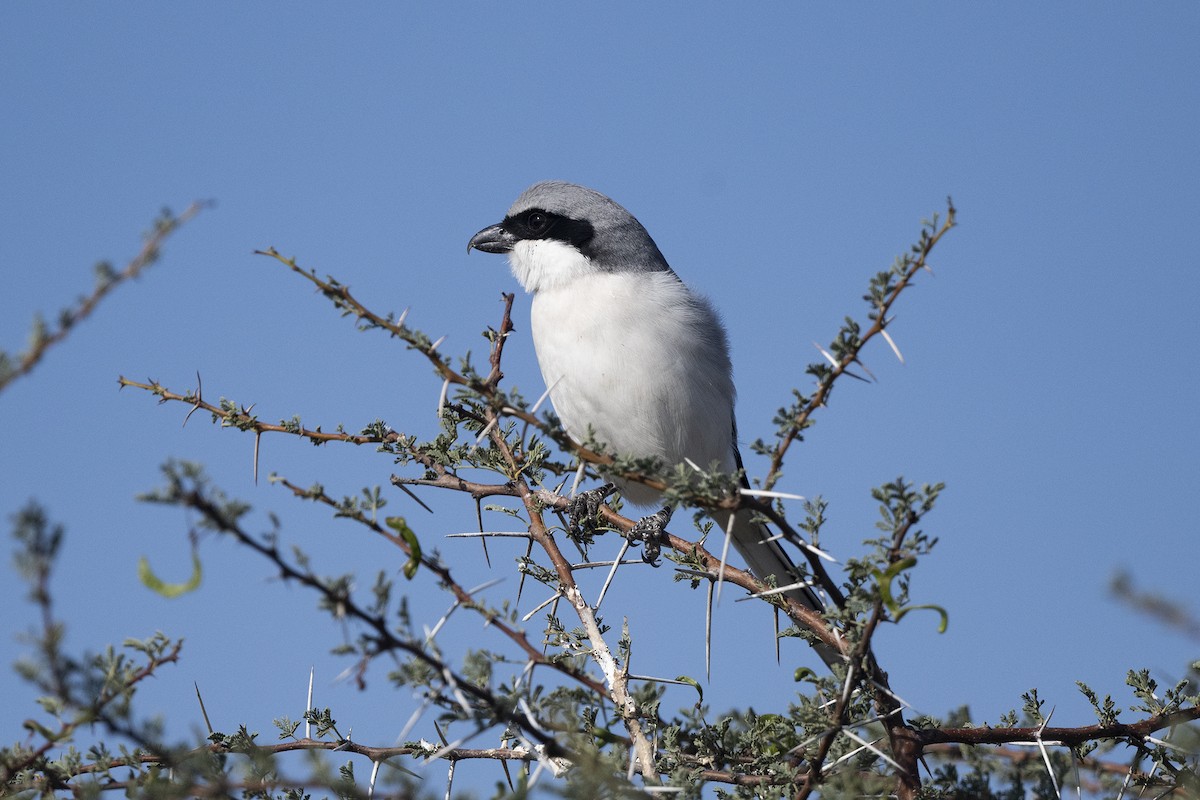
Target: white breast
641, 361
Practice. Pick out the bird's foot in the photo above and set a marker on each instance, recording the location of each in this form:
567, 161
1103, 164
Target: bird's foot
650, 532
583, 510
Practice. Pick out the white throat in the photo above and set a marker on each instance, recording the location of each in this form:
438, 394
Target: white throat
543, 264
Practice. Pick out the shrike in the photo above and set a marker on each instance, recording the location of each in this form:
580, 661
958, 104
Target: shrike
627, 350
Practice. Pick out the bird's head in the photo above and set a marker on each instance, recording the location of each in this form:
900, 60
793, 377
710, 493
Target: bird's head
556, 232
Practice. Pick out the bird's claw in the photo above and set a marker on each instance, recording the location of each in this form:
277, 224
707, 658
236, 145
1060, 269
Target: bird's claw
649, 531
583, 510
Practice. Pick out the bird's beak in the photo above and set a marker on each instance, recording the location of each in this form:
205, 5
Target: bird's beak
492, 239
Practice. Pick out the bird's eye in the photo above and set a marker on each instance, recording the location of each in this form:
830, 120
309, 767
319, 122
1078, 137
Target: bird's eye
537, 222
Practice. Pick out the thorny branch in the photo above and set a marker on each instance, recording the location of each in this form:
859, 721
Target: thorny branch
107, 280
345, 302
230, 415
95, 710
447, 581
373, 754
616, 680
241, 418
865, 676
383, 639
905, 270
886, 704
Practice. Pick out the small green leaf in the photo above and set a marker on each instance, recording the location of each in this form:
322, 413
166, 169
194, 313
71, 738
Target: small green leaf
169, 590
941, 626
39, 729
896, 568
693, 683
605, 736
400, 526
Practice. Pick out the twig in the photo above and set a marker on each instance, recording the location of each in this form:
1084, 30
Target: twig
929, 239
108, 280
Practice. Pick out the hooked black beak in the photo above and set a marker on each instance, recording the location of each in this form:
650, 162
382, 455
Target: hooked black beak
492, 239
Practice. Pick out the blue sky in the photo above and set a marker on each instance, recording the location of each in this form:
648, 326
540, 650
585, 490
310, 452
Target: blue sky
779, 159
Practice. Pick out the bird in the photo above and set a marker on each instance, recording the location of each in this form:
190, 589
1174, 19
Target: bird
631, 356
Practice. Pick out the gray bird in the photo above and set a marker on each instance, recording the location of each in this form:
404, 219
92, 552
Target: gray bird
627, 349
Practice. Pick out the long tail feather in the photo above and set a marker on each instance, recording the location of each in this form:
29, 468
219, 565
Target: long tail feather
767, 558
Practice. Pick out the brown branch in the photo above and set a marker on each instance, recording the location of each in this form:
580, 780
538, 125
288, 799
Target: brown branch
96, 707
798, 612
616, 679
225, 789
447, 479
907, 744
1069, 737
506, 327
840, 716
1015, 755
825, 386
244, 420
385, 640
344, 301
447, 581
341, 746
862, 661
69, 318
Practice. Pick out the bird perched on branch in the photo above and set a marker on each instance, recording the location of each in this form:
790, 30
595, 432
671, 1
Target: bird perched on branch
629, 352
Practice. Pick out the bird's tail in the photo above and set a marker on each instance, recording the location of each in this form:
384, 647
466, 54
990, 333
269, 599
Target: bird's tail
767, 558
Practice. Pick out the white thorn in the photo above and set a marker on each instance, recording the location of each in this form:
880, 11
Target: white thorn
545, 394
724, 556
885, 689
429, 634
1046, 755
871, 746
412, 720
374, 774
553, 597
533, 723
312, 671
826, 769
485, 585
611, 574
828, 357
1049, 768
888, 337
777, 590
486, 430
1165, 743
452, 682
817, 552
767, 493
653, 679
578, 478
708, 615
